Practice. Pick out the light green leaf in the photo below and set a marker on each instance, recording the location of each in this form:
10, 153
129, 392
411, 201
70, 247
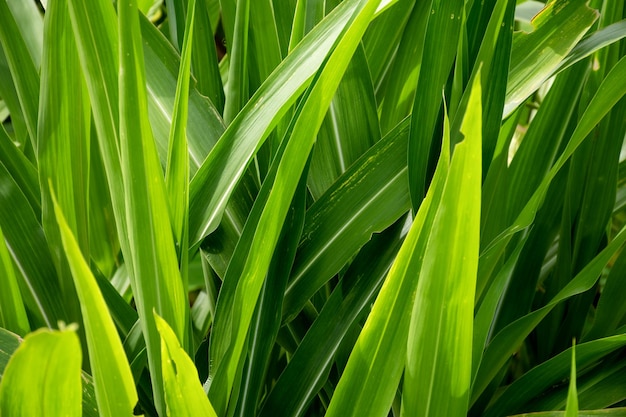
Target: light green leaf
42, 377
114, 385
63, 143
438, 368
184, 395
154, 272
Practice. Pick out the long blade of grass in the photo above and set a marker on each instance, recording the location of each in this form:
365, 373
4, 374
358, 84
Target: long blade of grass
438, 368
114, 384
348, 131
155, 274
184, 395
63, 143
42, 377
12, 312
27, 244
23, 69
236, 94
177, 170
571, 410
440, 46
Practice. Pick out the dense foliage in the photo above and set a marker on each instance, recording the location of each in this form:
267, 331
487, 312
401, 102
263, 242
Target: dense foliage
312, 207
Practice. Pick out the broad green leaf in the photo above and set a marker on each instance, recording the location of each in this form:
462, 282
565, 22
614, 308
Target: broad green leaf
595, 41
114, 385
154, 272
23, 69
536, 55
438, 367
42, 377
270, 223
226, 163
571, 410
367, 198
383, 338
63, 142
184, 395
440, 41
12, 312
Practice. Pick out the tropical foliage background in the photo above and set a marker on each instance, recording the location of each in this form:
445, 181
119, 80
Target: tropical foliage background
312, 207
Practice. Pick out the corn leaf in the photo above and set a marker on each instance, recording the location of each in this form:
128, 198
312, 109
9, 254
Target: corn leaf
184, 395
42, 377
154, 268
114, 385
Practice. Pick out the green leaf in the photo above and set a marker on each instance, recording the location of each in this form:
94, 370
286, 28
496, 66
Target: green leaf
367, 198
63, 142
42, 377
309, 118
226, 163
539, 379
571, 410
27, 244
508, 340
184, 395
177, 171
114, 385
348, 131
383, 338
236, 91
310, 365
12, 312
440, 45
23, 69
154, 267
438, 368
536, 55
